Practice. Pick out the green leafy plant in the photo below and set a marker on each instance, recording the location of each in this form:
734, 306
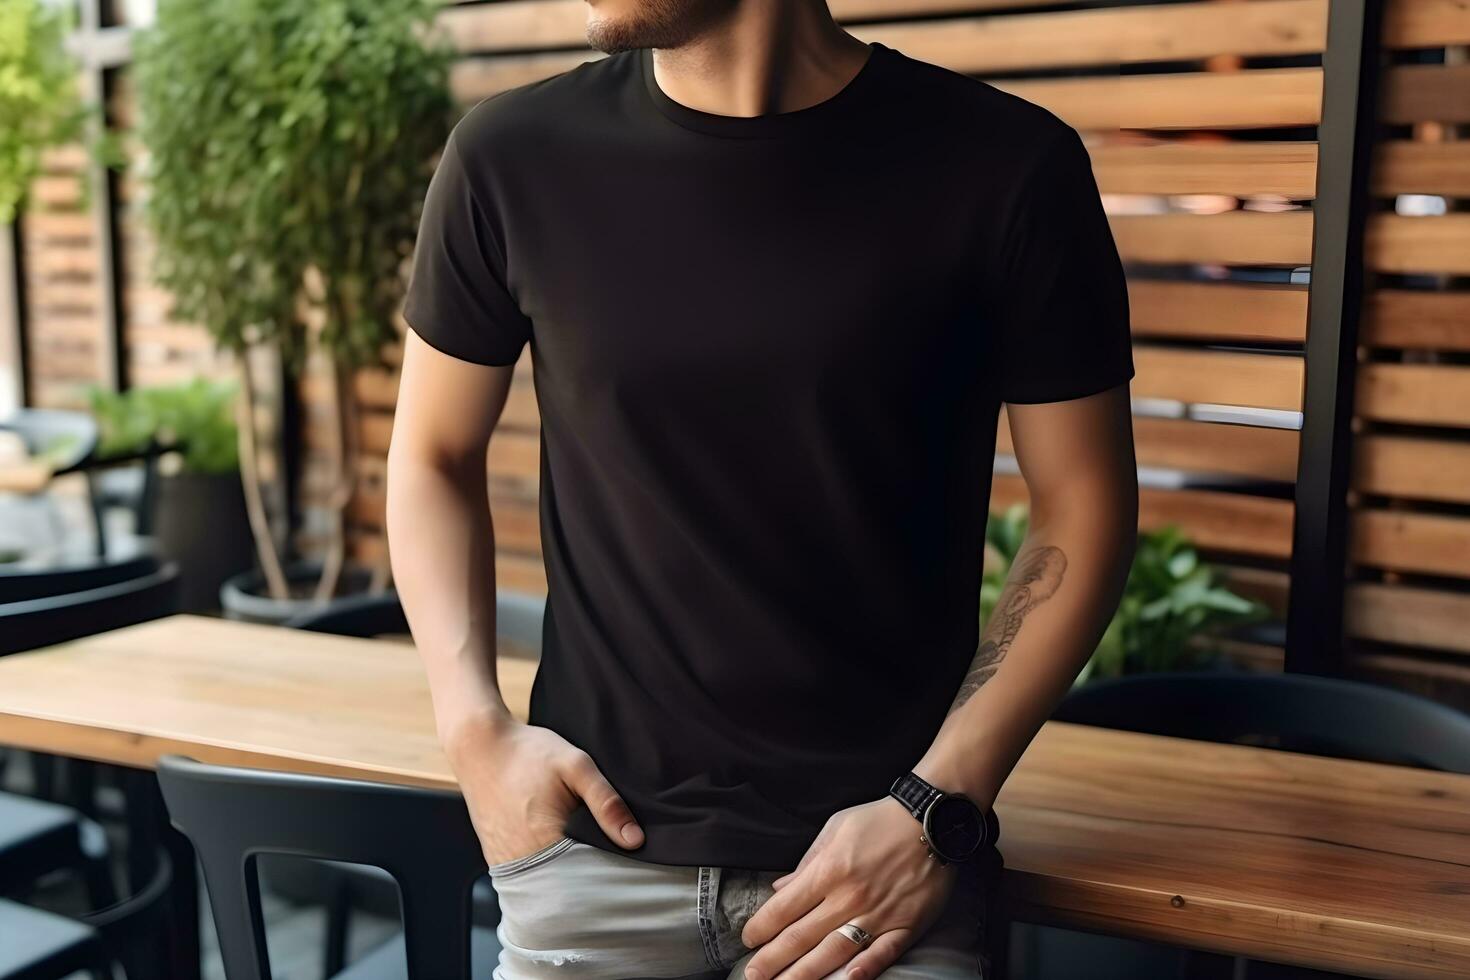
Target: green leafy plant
194, 419
290, 143
1172, 602
39, 106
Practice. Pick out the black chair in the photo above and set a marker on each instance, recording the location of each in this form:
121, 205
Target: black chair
38, 837
1292, 712
34, 623
422, 837
19, 583
345, 887
1295, 712
40, 945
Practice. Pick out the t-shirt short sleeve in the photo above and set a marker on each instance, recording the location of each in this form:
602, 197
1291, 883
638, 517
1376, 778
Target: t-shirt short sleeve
1062, 297
457, 298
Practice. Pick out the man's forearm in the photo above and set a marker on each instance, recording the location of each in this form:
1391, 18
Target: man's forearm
442, 547
1060, 593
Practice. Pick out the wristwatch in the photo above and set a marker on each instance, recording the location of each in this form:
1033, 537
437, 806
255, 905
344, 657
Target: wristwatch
955, 828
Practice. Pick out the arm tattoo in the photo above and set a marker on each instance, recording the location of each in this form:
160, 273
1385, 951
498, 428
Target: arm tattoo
1034, 579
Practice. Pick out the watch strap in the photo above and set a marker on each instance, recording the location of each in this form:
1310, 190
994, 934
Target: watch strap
915, 793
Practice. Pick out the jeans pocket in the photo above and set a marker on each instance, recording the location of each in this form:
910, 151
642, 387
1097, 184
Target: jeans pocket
526, 862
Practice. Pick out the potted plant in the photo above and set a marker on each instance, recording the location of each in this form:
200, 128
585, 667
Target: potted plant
1173, 603
290, 143
197, 510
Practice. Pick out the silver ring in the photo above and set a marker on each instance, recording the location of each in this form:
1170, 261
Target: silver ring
855, 932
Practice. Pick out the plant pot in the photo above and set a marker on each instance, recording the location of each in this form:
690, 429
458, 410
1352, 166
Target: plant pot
244, 596
199, 521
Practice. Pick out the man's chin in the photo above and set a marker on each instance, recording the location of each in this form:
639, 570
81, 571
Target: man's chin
607, 34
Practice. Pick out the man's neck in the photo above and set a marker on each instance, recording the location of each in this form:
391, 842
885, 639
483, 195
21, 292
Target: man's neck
765, 57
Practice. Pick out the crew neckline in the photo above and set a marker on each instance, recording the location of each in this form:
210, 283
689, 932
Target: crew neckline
767, 125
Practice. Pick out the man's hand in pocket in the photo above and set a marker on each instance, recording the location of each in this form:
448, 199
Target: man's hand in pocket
520, 783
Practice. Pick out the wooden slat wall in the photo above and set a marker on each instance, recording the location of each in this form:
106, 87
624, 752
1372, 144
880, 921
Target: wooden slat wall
1200, 117
65, 342
159, 348
1201, 215
1408, 610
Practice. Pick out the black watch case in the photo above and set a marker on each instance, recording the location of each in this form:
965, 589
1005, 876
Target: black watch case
954, 828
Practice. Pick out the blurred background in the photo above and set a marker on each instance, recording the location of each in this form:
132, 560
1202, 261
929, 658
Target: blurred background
207, 208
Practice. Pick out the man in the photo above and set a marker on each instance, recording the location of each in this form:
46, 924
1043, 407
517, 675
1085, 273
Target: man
776, 284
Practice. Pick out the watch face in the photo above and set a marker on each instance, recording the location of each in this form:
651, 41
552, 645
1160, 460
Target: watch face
954, 827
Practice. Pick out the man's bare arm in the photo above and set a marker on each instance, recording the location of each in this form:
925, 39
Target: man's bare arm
1077, 458
442, 541
520, 781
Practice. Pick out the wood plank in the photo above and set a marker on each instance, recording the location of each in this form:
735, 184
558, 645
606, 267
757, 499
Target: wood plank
1412, 467
1395, 243
1408, 615
1130, 834
48, 226
1416, 318
1416, 167
999, 44
1426, 394
1405, 541
1425, 23
1232, 238
1243, 169
514, 25
1243, 313
1218, 377
1259, 98
1204, 447
1426, 93
1237, 523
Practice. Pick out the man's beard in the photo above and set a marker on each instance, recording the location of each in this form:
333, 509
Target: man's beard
655, 24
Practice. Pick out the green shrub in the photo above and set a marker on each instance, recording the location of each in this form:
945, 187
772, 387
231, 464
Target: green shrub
289, 143
39, 107
1171, 601
195, 419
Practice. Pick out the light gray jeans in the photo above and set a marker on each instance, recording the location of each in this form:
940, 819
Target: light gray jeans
577, 912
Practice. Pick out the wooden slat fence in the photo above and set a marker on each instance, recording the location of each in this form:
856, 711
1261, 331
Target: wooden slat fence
1201, 118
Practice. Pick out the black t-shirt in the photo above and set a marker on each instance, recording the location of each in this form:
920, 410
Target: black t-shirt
769, 353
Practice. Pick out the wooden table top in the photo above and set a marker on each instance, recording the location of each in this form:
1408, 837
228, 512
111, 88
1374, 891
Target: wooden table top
1340, 865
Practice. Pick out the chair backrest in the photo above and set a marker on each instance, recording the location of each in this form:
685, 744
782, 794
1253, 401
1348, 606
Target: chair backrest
19, 584
518, 617
1297, 712
422, 837
36, 623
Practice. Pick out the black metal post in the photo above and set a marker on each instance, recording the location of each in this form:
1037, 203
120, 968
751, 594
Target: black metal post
13, 308
1346, 141
98, 52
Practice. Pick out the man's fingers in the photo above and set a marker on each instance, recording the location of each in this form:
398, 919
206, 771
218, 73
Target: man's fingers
778, 912
607, 807
830, 955
794, 941
880, 955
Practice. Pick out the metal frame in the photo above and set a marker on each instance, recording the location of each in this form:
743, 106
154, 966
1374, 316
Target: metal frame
100, 49
1346, 140
12, 310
